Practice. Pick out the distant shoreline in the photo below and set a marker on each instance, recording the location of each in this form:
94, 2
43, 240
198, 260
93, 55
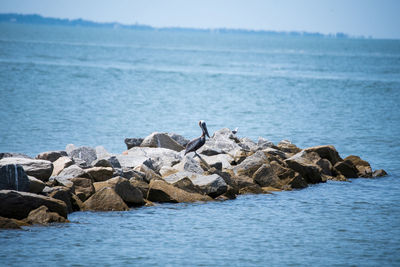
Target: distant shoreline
38, 19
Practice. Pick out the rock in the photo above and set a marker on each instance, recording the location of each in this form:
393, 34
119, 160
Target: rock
141, 185
105, 200
100, 174
179, 139
6, 223
42, 215
251, 189
15, 204
189, 164
83, 187
152, 164
14, 155
187, 185
224, 160
379, 173
288, 147
13, 177
264, 143
35, 185
51, 155
110, 161
166, 171
251, 164
278, 155
101, 153
212, 185
346, 168
326, 152
298, 182
60, 164
38, 168
132, 142
76, 203
137, 155
129, 194
72, 172
85, 153
326, 166
248, 144
161, 140
64, 194
302, 163
362, 166
222, 141
161, 191
265, 176
149, 174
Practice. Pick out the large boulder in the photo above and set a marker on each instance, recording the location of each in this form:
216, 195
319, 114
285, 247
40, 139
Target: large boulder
15, 204
326, 152
303, 163
129, 194
212, 185
225, 160
51, 155
362, 166
72, 172
43, 215
105, 200
13, 177
100, 174
141, 185
187, 185
161, 140
110, 161
265, 176
222, 141
38, 168
179, 139
346, 168
132, 142
189, 164
288, 147
60, 164
251, 164
161, 191
137, 155
62, 193
248, 144
85, 153
263, 143
83, 187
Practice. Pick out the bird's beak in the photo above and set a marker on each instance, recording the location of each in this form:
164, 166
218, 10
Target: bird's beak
204, 127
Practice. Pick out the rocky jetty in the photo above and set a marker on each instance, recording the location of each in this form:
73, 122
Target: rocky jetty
46, 188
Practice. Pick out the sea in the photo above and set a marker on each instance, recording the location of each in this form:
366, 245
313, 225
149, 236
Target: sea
86, 86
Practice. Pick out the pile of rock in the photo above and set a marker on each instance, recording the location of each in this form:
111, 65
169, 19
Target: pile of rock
46, 188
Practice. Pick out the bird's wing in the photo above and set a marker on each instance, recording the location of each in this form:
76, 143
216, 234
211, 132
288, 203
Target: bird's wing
192, 145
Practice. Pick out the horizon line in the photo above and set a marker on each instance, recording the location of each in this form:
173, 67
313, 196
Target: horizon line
92, 23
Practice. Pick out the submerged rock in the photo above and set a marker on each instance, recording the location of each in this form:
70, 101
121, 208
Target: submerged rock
379, 173
42, 215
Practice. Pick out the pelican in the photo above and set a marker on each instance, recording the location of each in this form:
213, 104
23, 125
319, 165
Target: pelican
195, 144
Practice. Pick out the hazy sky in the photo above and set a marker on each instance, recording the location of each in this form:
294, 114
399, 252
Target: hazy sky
377, 18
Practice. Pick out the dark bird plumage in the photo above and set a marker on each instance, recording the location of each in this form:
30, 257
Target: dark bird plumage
195, 144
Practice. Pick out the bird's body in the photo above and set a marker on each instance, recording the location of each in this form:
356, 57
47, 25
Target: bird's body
195, 144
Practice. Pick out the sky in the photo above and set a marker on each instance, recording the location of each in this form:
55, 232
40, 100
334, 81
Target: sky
376, 18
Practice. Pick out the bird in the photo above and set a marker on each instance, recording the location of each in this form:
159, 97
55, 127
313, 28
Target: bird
198, 142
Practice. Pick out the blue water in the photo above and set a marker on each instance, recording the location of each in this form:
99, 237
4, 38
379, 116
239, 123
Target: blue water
88, 86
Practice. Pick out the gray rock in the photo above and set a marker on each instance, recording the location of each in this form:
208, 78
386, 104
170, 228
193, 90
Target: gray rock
110, 161
224, 159
62, 193
85, 153
264, 143
13, 177
223, 141
101, 152
189, 164
248, 144
161, 140
72, 172
51, 155
60, 164
212, 185
38, 168
265, 176
132, 142
137, 155
179, 139
251, 164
